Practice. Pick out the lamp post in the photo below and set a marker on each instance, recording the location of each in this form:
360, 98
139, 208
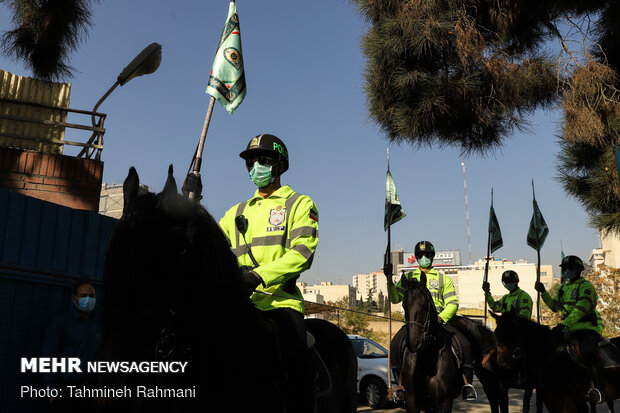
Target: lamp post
146, 62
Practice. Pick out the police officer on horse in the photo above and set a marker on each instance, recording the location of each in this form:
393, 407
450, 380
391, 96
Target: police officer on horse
447, 303
576, 300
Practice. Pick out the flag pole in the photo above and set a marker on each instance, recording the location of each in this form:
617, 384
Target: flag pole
197, 160
387, 267
538, 262
486, 265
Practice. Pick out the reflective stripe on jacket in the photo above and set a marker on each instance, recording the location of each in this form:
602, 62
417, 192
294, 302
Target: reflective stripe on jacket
441, 288
283, 235
517, 299
576, 300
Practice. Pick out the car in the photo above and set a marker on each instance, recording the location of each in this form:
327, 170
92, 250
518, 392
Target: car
372, 372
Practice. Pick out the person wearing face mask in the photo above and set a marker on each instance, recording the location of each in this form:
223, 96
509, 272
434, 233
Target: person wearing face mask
521, 303
516, 298
446, 302
75, 333
282, 236
576, 301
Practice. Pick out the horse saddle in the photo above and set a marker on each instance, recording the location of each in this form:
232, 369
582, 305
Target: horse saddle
607, 351
323, 377
452, 338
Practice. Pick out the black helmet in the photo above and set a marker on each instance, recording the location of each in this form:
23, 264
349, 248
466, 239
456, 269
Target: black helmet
424, 247
269, 145
572, 260
510, 276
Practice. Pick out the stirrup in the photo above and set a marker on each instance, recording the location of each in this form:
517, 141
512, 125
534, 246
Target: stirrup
594, 395
465, 390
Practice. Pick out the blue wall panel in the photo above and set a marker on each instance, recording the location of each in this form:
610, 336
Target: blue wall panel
44, 248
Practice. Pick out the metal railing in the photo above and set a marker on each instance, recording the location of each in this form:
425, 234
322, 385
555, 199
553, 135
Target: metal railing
93, 145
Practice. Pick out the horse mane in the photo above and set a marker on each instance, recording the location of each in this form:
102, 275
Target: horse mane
472, 328
417, 288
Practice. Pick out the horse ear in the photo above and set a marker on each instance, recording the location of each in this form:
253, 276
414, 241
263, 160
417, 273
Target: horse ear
130, 190
495, 316
404, 281
423, 278
170, 188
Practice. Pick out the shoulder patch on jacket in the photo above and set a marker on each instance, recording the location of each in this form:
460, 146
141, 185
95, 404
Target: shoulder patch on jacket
314, 215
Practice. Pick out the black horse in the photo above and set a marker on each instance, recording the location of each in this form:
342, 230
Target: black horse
559, 379
495, 380
173, 292
430, 373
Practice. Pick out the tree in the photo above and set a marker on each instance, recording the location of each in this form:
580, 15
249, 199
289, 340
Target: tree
467, 73
45, 33
352, 322
606, 282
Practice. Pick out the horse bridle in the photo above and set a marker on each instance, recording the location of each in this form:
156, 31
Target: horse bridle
427, 322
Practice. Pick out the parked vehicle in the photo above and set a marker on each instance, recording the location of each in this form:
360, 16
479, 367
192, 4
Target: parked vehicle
372, 372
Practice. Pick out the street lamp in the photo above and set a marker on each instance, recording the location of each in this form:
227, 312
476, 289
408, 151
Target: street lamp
146, 62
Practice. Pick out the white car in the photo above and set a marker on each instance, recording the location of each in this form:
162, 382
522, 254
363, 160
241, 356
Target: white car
372, 372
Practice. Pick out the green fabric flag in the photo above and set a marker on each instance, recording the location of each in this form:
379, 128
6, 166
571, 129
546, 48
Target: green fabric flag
538, 231
393, 210
227, 80
495, 235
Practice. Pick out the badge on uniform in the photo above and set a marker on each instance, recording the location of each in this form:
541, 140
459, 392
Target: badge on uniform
433, 283
276, 218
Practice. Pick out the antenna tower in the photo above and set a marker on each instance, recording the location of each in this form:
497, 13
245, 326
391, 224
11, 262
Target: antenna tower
466, 208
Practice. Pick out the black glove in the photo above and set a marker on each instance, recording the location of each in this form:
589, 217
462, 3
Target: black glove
486, 287
560, 330
440, 320
540, 287
192, 184
250, 279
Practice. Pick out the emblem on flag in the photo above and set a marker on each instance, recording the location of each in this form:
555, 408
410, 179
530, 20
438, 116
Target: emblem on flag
233, 57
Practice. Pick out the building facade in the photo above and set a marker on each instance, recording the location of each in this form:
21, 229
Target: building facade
328, 292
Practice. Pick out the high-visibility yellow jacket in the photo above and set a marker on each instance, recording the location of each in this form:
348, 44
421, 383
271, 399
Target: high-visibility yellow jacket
517, 299
576, 300
441, 288
283, 233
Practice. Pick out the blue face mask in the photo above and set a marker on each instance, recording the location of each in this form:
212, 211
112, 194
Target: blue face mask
424, 261
86, 304
510, 286
261, 175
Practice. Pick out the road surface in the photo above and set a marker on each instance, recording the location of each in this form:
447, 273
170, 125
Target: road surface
482, 405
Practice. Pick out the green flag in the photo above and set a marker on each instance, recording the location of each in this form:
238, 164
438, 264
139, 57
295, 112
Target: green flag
538, 231
393, 210
227, 80
495, 235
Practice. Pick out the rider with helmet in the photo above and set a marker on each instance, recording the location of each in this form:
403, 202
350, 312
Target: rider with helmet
274, 235
446, 302
516, 298
521, 303
576, 300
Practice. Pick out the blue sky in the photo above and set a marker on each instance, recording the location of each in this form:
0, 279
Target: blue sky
304, 70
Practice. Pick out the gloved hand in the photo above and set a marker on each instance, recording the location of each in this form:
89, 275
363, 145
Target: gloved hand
486, 287
192, 184
560, 330
250, 279
440, 320
540, 287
